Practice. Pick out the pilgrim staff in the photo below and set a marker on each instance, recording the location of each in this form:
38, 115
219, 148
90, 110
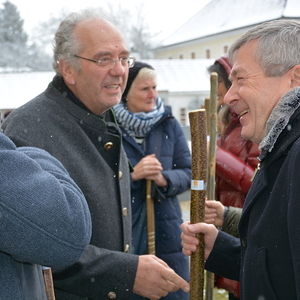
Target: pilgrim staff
198, 194
150, 219
48, 280
212, 133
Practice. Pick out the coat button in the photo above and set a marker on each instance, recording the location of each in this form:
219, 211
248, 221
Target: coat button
125, 213
244, 241
111, 295
108, 145
126, 250
120, 174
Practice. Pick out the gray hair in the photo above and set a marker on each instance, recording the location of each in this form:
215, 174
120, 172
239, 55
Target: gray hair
66, 44
278, 48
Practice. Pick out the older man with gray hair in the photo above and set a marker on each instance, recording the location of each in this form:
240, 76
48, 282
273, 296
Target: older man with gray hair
74, 121
265, 93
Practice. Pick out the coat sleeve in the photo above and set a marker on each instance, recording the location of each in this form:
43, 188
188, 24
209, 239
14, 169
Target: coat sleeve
225, 258
41, 208
103, 268
231, 221
179, 177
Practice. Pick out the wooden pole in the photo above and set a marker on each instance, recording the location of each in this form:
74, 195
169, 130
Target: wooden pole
199, 178
150, 218
48, 280
207, 108
211, 175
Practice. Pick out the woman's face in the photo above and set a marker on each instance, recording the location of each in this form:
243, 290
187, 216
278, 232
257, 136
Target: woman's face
222, 90
142, 94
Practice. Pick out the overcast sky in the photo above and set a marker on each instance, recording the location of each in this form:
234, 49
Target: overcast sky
163, 16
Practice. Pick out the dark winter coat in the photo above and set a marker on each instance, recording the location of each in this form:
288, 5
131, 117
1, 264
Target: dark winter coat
176, 161
90, 147
236, 160
266, 259
44, 220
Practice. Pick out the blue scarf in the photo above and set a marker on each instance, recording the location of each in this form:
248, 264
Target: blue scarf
138, 124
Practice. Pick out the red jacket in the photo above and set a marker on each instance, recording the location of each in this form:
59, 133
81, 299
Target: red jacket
236, 160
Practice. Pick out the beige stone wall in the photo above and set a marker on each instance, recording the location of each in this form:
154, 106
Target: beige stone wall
216, 45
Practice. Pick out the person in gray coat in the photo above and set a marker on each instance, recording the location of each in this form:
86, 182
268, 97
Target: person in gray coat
73, 120
44, 220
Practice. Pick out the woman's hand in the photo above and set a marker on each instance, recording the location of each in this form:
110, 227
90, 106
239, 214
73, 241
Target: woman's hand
214, 212
149, 167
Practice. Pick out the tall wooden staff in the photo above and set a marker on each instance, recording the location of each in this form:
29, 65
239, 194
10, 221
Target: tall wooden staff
150, 218
212, 133
199, 177
48, 280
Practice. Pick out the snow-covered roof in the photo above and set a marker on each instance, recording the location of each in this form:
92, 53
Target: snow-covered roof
223, 15
173, 75
181, 75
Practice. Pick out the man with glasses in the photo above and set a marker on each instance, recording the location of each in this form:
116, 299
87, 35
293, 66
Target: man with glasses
73, 120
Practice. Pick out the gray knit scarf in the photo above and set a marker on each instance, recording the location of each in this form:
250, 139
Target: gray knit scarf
138, 124
279, 119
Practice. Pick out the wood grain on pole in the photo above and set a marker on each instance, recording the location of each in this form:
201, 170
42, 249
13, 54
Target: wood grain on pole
150, 219
211, 175
198, 193
48, 280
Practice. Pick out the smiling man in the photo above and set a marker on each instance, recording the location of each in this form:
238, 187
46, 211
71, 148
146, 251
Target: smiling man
265, 92
73, 121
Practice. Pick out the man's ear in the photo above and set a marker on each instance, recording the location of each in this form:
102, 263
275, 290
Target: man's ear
67, 72
296, 76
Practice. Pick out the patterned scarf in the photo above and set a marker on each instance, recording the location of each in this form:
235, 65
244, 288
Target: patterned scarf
138, 124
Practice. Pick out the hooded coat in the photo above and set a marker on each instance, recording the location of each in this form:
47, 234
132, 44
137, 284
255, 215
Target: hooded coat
236, 161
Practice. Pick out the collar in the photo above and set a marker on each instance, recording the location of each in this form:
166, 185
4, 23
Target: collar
279, 120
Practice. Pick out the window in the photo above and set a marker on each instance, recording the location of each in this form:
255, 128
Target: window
207, 51
193, 55
183, 116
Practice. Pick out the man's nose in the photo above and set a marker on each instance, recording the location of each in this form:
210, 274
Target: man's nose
230, 97
118, 69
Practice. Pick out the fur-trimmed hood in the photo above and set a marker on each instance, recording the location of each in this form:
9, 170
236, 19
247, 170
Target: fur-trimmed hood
279, 120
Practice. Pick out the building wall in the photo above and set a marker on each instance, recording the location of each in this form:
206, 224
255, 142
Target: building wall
182, 103
217, 46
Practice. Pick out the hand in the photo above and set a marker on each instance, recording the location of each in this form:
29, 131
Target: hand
155, 279
214, 212
149, 167
189, 241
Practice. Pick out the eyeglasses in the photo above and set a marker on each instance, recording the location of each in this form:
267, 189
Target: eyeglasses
108, 63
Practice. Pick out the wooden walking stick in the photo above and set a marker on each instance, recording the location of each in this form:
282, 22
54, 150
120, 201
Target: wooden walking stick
48, 280
199, 177
150, 218
211, 175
